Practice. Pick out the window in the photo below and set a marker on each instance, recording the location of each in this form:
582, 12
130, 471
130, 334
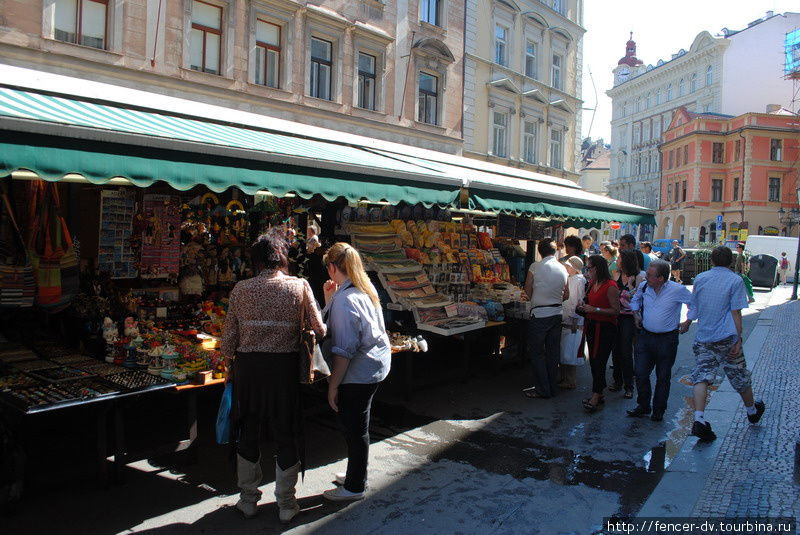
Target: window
268, 53
676, 193
671, 159
206, 37
530, 59
737, 150
678, 153
428, 98
556, 71
529, 142
716, 190
693, 83
681, 88
555, 149
499, 130
709, 75
501, 45
647, 101
366, 81
83, 22
736, 188
774, 189
717, 153
430, 11
625, 108
669, 92
638, 103
658, 97
645, 163
686, 155
656, 161
669, 193
321, 68
775, 150
683, 191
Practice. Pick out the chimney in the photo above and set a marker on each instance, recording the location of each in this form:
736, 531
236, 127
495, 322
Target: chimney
772, 108
770, 13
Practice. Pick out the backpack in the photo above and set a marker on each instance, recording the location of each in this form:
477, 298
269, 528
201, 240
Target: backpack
784, 263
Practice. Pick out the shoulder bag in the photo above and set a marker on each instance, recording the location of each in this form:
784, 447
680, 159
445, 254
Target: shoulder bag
312, 366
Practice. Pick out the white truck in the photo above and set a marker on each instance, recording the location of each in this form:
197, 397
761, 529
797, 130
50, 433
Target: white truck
774, 246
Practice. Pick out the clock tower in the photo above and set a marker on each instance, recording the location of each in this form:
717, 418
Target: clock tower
627, 66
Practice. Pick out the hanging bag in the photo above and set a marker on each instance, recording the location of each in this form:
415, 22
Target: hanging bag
17, 284
52, 254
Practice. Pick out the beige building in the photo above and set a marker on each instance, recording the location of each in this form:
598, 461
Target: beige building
387, 70
595, 168
522, 80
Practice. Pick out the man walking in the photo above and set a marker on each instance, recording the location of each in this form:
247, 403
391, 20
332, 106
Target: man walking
656, 308
717, 302
546, 287
676, 256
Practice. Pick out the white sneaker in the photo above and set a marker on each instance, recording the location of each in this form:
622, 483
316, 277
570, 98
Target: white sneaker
341, 494
340, 478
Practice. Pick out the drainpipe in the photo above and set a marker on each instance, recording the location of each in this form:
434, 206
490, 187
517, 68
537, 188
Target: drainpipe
741, 195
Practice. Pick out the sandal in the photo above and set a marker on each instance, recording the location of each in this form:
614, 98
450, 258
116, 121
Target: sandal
532, 393
590, 407
628, 394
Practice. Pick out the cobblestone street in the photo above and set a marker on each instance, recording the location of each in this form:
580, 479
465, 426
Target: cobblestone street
753, 474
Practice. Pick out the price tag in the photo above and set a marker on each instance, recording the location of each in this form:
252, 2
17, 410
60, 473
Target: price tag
428, 290
451, 310
421, 278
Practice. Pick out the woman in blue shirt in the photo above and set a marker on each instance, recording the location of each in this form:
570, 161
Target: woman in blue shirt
361, 355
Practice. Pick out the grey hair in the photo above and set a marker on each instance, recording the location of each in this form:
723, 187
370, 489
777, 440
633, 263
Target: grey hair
662, 268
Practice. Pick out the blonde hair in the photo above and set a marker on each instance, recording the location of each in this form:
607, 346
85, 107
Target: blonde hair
348, 261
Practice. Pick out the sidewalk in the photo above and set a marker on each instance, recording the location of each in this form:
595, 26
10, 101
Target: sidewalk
749, 470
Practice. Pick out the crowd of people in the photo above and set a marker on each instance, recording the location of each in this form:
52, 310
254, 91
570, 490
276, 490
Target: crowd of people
624, 303
617, 302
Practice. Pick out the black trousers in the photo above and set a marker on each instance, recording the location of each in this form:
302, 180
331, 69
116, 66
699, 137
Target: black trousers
655, 350
355, 402
600, 337
544, 351
266, 391
622, 357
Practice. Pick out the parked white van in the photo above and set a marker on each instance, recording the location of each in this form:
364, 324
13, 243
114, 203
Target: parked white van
773, 246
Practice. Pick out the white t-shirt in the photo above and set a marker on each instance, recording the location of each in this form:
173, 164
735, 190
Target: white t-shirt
549, 279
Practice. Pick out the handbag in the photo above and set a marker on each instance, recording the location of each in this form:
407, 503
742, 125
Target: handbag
55, 264
312, 365
17, 283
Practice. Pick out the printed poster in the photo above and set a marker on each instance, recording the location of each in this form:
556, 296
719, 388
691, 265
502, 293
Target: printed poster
161, 243
114, 254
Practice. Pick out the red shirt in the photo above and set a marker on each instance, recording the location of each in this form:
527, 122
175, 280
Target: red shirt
599, 298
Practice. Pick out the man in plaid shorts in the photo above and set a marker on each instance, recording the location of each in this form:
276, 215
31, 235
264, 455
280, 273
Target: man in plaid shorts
718, 299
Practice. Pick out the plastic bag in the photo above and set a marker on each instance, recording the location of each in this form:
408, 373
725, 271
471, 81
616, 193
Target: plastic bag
224, 415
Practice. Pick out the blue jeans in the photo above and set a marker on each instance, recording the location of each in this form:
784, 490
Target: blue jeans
544, 351
654, 351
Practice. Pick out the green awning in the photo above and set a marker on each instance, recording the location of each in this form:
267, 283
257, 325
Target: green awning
569, 212
52, 158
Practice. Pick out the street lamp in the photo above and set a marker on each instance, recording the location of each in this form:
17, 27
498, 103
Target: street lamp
789, 219
797, 258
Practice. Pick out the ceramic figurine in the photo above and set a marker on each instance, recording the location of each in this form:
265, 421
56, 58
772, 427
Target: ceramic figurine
110, 331
131, 327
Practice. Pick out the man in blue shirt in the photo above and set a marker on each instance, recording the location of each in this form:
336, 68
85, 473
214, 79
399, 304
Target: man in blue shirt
656, 310
718, 299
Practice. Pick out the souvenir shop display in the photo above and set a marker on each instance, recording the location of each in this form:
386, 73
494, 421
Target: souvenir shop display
115, 253
159, 224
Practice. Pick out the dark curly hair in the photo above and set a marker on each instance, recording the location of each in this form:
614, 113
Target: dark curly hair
269, 251
576, 244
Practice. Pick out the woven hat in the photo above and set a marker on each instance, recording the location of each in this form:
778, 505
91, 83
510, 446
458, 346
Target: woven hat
575, 262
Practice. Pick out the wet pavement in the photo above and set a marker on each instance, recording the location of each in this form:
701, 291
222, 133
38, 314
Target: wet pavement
463, 457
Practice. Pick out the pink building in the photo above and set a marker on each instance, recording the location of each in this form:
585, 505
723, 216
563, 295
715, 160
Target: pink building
742, 168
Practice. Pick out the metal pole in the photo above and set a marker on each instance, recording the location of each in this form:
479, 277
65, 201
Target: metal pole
796, 270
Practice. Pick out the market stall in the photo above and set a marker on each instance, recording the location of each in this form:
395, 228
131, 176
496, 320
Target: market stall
132, 220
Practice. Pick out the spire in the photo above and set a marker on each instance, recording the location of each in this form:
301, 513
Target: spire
630, 54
